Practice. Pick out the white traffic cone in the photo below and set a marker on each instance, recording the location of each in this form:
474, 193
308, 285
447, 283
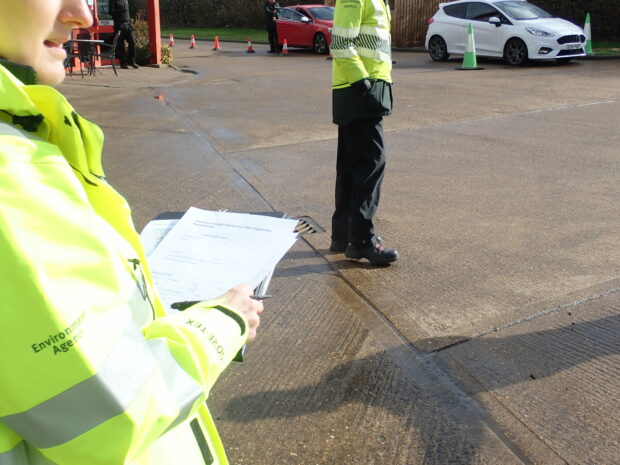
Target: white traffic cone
250, 48
587, 31
469, 59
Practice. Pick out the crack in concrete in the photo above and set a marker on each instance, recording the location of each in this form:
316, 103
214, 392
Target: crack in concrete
419, 366
529, 318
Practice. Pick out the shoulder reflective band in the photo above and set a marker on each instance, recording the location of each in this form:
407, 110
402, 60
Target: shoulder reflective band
7, 129
16, 456
109, 393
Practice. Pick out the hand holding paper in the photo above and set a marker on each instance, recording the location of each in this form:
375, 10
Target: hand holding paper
206, 253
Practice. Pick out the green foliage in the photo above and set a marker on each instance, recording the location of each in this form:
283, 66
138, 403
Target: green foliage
166, 55
141, 32
209, 33
604, 15
217, 13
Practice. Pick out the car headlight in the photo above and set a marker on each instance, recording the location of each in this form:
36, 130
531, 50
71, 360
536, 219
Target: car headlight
539, 32
329, 29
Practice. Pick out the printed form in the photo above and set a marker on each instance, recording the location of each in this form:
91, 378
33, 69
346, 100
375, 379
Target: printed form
205, 253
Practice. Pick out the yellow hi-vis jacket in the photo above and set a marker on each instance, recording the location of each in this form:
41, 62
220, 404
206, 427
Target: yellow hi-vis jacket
361, 42
92, 371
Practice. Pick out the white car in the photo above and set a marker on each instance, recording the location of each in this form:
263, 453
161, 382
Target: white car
513, 29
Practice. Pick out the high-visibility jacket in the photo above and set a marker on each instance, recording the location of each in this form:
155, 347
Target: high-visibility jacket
92, 371
361, 42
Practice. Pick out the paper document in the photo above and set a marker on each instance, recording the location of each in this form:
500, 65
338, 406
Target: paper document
154, 232
205, 253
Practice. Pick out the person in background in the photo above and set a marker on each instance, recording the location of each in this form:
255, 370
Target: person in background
119, 10
361, 96
271, 14
92, 369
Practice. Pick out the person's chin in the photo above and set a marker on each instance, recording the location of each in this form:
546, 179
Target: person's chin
51, 74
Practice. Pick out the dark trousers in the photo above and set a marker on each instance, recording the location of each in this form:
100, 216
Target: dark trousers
359, 173
273, 38
126, 36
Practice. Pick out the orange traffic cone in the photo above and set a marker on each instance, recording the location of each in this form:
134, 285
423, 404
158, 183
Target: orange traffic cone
216, 45
192, 42
171, 41
250, 49
285, 48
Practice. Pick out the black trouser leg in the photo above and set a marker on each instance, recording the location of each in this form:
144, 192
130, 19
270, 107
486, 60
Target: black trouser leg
131, 45
126, 36
344, 185
273, 40
120, 47
360, 168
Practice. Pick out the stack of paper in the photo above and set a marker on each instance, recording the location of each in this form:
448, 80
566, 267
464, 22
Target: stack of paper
205, 253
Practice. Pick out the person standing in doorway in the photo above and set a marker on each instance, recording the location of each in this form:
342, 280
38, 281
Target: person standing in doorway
361, 97
119, 10
271, 14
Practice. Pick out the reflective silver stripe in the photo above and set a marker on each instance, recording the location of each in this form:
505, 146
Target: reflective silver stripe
349, 53
348, 32
382, 34
16, 456
140, 307
107, 394
343, 46
374, 54
7, 129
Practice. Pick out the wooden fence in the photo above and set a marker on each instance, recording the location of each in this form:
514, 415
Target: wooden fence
410, 21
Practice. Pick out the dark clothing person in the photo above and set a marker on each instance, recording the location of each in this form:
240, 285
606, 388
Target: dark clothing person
119, 10
271, 14
359, 172
361, 97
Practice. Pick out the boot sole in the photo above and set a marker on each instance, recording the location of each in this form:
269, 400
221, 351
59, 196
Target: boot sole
358, 255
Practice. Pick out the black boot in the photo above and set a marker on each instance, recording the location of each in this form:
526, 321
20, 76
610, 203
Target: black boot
375, 252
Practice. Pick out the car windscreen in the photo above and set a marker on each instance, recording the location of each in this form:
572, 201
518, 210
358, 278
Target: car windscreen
522, 10
289, 15
325, 13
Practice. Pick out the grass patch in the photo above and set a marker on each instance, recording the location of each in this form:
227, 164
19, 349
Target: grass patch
605, 47
209, 33
600, 47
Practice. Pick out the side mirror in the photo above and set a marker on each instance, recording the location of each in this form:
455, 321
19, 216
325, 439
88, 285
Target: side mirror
495, 20
305, 19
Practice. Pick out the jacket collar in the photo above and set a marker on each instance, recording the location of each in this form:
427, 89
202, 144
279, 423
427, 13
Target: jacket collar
25, 74
45, 112
15, 105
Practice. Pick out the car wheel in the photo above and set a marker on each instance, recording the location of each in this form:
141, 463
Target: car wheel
320, 44
437, 49
515, 52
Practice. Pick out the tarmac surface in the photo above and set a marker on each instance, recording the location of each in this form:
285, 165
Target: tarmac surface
495, 339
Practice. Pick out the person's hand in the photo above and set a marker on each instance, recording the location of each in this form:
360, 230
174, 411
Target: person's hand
239, 298
362, 86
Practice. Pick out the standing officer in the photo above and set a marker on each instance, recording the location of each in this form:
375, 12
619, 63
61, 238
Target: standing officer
119, 10
92, 369
271, 14
361, 96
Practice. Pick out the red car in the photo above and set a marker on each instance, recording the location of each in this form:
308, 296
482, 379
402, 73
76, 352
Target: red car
307, 26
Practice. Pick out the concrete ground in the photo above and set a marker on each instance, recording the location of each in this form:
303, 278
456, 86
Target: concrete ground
495, 339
